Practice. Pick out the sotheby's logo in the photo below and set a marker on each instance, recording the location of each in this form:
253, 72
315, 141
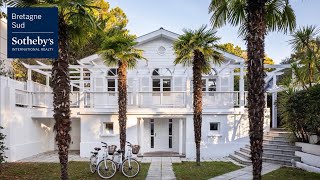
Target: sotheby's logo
32, 33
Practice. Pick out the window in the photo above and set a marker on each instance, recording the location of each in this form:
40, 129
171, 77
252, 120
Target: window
166, 84
161, 80
156, 85
112, 80
214, 126
108, 128
209, 84
152, 133
170, 133
111, 85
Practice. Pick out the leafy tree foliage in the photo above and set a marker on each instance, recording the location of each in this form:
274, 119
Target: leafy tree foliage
2, 148
300, 112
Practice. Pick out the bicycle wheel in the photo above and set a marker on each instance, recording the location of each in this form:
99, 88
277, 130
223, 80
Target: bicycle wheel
132, 170
106, 169
93, 164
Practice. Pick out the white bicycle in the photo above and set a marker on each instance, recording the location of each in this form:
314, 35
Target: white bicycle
130, 167
95, 159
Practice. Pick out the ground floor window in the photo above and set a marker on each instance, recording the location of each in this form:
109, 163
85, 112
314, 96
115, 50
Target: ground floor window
152, 132
170, 133
214, 126
108, 128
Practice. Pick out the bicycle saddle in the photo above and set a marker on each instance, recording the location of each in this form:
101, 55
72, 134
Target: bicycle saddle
97, 149
95, 153
120, 151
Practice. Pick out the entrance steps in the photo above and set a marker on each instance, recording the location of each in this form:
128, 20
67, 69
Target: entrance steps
278, 148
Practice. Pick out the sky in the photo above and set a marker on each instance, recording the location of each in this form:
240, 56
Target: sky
174, 15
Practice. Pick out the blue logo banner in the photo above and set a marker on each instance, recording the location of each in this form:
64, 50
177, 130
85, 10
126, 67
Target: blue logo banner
33, 33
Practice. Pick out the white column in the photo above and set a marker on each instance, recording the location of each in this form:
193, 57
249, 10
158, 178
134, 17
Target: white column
241, 88
274, 104
180, 136
81, 93
141, 136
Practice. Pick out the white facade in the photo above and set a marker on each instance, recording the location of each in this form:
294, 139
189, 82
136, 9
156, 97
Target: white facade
159, 106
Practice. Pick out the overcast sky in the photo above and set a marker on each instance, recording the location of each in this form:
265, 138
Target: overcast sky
174, 15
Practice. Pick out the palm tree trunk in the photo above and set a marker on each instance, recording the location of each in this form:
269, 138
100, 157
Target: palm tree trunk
122, 88
255, 44
61, 98
197, 101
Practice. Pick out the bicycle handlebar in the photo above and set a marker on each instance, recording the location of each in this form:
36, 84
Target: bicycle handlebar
104, 143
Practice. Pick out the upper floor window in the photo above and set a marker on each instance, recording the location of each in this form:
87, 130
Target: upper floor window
161, 79
209, 81
112, 80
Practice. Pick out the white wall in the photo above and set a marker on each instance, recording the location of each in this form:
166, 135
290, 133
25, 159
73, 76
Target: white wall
3, 42
91, 132
232, 136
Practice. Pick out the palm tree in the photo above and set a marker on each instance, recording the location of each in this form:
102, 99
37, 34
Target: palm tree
306, 57
119, 50
256, 18
74, 21
196, 48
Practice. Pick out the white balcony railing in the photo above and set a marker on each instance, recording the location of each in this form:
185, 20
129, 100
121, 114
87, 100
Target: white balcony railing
164, 99
223, 99
104, 99
137, 99
21, 98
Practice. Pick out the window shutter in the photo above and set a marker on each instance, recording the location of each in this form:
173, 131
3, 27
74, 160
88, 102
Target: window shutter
99, 84
145, 84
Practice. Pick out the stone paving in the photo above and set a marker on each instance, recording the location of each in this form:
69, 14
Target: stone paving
52, 156
161, 167
246, 173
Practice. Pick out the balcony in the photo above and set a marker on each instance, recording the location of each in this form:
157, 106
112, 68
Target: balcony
135, 99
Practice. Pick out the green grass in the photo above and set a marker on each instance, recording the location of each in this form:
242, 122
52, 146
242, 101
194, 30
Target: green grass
48, 171
285, 173
189, 170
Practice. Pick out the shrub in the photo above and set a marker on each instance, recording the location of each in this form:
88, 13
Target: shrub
2, 147
300, 112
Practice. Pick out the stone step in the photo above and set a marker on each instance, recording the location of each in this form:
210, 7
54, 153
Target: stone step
281, 147
240, 159
277, 138
278, 130
271, 151
277, 142
273, 155
280, 134
246, 157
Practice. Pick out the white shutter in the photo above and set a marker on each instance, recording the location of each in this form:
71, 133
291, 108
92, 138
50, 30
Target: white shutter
145, 84
178, 84
224, 83
99, 84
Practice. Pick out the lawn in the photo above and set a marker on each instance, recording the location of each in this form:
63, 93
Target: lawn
47, 171
189, 170
285, 173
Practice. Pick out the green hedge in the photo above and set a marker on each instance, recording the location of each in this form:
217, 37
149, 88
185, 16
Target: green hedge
300, 112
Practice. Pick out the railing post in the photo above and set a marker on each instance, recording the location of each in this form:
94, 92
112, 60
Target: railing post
30, 90
241, 88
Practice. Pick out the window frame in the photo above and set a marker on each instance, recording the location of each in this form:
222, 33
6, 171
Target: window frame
218, 126
104, 129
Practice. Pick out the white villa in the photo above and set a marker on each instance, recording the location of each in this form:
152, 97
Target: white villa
160, 113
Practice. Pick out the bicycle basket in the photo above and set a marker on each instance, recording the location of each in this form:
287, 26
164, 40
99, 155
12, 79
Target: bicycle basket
135, 149
111, 149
